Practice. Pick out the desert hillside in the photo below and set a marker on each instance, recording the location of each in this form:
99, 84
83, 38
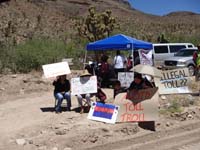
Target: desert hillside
26, 19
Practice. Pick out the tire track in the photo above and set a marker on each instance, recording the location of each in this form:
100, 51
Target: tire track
161, 140
191, 147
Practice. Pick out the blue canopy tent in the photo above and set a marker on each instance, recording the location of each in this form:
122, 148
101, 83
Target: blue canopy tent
119, 42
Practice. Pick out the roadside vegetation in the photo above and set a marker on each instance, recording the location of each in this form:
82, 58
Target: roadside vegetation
36, 50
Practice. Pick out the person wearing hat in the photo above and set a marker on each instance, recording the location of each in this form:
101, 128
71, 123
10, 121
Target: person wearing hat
80, 97
62, 91
87, 97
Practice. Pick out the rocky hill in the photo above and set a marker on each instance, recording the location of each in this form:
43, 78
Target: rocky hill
27, 19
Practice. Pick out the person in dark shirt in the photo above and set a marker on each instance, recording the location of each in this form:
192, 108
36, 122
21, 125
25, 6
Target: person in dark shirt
62, 91
139, 83
118, 89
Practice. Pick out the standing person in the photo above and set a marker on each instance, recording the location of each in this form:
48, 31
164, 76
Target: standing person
62, 91
119, 63
129, 63
196, 59
104, 71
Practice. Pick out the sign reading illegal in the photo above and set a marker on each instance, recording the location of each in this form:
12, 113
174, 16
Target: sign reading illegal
174, 81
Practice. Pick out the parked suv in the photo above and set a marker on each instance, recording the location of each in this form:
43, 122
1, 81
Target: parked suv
183, 58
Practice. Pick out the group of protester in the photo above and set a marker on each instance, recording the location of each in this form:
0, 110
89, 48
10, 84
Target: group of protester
62, 91
106, 71
121, 64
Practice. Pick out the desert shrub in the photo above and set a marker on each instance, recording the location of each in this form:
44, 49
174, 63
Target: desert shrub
35, 53
7, 57
175, 107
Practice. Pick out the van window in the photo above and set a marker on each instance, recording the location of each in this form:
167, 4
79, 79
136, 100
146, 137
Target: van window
160, 49
176, 48
189, 46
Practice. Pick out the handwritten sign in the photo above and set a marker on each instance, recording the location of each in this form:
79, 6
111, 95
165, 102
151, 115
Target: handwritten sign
145, 57
84, 85
174, 81
146, 110
56, 69
140, 95
103, 112
125, 78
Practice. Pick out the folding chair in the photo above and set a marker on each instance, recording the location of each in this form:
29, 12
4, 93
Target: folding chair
64, 103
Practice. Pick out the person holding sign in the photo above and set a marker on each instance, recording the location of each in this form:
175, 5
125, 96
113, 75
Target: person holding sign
139, 83
62, 91
87, 96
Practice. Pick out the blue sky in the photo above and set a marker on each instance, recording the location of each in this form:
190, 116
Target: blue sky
163, 7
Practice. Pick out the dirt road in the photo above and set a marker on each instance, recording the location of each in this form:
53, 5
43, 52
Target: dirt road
32, 119
28, 122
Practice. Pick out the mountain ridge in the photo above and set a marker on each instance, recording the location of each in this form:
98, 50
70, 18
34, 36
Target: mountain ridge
26, 19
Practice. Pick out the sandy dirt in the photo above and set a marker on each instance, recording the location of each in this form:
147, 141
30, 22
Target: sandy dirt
28, 122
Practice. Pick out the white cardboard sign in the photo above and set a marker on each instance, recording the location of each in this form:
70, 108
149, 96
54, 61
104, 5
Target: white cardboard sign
174, 81
56, 69
125, 78
84, 85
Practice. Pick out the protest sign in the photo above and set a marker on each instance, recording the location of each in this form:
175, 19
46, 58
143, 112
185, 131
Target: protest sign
139, 111
103, 112
140, 95
84, 85
125, 78
145, 57
174, 81
56, 69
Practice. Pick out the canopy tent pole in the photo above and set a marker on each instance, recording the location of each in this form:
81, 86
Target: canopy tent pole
84, 61
132, 54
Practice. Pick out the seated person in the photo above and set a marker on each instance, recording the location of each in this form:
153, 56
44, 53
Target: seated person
139, 83
80, 97
118, 89
62, 91
87, 96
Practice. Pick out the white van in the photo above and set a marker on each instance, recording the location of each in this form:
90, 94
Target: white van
162, 51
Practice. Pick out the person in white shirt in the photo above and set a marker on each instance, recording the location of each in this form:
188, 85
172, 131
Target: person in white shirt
119, 63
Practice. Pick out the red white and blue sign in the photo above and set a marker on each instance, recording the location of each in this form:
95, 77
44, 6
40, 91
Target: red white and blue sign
103, 112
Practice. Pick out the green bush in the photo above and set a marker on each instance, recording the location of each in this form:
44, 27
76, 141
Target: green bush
32, 54
35, 53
